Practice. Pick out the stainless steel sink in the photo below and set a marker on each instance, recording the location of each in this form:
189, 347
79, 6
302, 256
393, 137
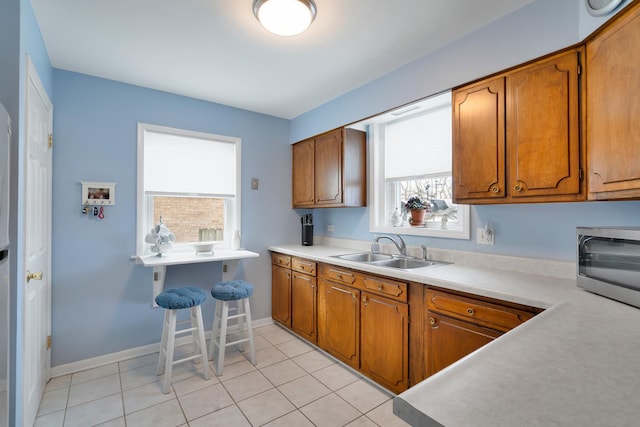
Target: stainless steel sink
367, 257
408, 263
385, 260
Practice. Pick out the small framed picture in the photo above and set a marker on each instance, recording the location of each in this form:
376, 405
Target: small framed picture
98, 193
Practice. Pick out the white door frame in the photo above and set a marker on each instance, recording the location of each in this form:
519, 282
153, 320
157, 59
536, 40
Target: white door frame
33, 83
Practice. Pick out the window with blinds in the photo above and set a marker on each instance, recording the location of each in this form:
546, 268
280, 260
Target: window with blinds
418, 145
191, 181
411, 149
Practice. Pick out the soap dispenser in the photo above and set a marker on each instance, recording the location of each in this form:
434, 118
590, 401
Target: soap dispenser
235, 241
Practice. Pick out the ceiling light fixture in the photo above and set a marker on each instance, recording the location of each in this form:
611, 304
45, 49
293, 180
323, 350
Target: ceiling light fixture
285, 17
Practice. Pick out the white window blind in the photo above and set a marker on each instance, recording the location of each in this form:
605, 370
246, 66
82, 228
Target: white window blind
179, 164
419, 145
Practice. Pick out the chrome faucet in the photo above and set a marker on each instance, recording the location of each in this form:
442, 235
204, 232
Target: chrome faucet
402, 247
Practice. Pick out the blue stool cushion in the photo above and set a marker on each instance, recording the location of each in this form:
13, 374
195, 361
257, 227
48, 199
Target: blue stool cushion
185, 297
232, 290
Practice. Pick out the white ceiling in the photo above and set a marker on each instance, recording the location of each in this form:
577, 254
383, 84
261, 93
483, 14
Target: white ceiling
216, 50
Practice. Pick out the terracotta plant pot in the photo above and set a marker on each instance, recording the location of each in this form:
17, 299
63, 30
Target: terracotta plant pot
417, 217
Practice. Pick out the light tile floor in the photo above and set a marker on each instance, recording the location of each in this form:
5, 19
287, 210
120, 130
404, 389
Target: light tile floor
293, 384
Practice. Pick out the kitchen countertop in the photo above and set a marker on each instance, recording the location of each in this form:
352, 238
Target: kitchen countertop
576, 363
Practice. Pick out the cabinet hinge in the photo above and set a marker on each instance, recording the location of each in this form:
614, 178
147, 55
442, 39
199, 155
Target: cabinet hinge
48, 342
50, 140
579, 69
581, 174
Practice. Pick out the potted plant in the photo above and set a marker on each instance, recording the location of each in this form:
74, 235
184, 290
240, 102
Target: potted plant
417, 208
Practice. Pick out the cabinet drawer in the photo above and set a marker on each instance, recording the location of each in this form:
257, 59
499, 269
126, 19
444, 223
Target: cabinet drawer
281, 260
336, 274
494, 316
386, 287
303, 266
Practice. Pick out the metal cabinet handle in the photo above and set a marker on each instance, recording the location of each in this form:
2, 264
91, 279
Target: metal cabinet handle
432, 321
470, 311
517, 187
495, 189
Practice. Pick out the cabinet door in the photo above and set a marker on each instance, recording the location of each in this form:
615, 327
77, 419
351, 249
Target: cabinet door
281, 295
543, 129
448, 340
479, 141
613, 85
303, 305
340, 332
328, 168
303, 173
384, 339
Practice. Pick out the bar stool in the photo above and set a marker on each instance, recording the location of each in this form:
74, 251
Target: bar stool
223, 292
173, 300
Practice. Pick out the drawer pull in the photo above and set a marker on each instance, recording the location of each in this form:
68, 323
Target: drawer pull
379, 287
339, 276
470, 311
432, 321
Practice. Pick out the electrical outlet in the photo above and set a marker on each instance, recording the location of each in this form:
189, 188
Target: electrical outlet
485, 236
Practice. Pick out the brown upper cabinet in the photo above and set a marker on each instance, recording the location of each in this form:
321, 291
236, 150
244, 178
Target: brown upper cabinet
330, 170
516, 135
613, 108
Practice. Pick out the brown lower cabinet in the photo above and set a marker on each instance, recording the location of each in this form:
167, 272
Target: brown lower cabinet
281, 289
303, 305
384, 340
340, 322
458, 324
363, 320
294, 294
449, 340
394, 332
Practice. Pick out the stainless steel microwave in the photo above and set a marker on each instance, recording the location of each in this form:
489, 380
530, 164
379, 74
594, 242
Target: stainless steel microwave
608, 262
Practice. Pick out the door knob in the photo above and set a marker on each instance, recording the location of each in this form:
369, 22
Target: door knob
34, 276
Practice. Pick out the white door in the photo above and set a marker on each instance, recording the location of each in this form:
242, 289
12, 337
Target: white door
36, 281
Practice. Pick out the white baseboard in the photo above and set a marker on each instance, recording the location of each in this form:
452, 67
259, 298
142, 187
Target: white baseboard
95, 362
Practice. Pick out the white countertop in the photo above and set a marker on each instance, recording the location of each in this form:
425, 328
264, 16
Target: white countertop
577, 363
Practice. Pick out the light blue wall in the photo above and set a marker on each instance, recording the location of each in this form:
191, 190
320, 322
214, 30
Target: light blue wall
101, 298
541, 230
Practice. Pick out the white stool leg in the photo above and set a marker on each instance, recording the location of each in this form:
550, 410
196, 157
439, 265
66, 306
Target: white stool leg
194, 333
252, 348
215, 329
163, 344
171, 339
202, 343
222, 343
241, 323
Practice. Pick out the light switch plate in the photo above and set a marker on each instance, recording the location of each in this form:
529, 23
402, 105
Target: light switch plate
254, 183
